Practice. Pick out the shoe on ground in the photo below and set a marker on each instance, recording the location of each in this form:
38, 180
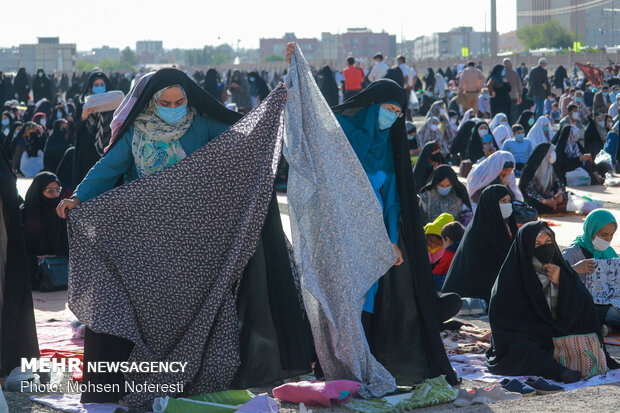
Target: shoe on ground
494, 394
515, 386
464, 398
542, 386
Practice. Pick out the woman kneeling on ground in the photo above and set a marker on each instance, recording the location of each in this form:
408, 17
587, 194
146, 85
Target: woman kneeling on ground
539, 183
537, 297
598, 231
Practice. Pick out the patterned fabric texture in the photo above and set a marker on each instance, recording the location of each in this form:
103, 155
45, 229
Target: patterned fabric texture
604, 282
340, 242
158, 261
581, 352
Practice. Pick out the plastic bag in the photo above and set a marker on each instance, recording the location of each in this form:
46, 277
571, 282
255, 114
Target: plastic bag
578, 177
414, 103
582, 204
610, 180
604, 157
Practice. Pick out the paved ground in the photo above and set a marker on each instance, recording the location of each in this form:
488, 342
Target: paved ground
604, 398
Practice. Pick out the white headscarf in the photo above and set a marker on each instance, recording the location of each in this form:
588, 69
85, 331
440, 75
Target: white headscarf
485, 172
536, 135
495, 121
544, 173
501, 133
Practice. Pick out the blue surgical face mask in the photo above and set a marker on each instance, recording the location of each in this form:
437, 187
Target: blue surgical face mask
444, 191
5, 122
594, 90
386, 118
172, 116
98, 89
530, 121
485, 95
59, 115
578, 99
520, 137
503, 73
545, 128
605, 94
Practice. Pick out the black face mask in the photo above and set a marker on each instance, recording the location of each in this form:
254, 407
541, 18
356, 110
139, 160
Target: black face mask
435, 157
50, 202
545, 253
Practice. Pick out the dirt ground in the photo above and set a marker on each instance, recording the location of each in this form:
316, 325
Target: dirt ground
604, 398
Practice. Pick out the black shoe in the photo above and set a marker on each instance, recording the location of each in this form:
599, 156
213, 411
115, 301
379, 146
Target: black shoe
542, 386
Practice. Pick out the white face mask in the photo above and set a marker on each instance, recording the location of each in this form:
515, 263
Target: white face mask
434, 127
600, 244
483, 132
576, 115
506, 210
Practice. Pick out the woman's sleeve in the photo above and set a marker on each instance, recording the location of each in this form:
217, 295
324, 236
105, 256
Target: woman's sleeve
105, 174
391, 207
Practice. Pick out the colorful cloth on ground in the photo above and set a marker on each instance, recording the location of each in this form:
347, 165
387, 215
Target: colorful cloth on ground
469, 339
220, 402
70, 403
338, 232
603, 283
317, 393
613, 340
428, 393
129, 279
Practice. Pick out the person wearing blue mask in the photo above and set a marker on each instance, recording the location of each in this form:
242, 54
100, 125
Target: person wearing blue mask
444, 193
519, 147
601, 102
499, 90
168, 118
401, 313
92, 128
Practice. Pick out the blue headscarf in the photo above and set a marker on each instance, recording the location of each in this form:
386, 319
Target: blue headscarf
371, 145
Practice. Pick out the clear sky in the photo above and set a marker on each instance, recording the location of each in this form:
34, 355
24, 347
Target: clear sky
192, 24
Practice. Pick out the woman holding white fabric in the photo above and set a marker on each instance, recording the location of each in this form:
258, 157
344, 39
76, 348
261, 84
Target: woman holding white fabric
540, 132
496, 169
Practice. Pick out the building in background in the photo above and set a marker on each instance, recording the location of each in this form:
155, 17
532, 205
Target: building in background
509, 42
9, 59
330, 47
452, 44
363, 43
98, 54
275, 46
151, 51
48, 54
595, 22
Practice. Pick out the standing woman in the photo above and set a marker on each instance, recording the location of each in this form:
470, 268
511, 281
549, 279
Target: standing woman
19, 334
402, 330
499, 89
328, 86
92, 129
21, 85
168, 121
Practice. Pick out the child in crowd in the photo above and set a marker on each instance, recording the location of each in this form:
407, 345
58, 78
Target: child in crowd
484, 104
451, 235
519, 147
412, 131
555, 115
434, 243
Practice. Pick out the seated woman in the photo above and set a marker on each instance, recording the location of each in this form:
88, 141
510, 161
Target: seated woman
501, 134
484, 246
595, 134
45, 232
499, 119
28, 155
430, 158
461, 141
481, 144
536, 298
496, 169
526, 119
445, 193
598, 231
431, 131
541, 132
572, 155
438, 111
539, 184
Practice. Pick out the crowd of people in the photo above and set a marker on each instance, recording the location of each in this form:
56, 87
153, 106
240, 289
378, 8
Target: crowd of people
455, 246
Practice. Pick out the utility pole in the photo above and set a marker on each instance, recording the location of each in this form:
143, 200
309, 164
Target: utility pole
494, 28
